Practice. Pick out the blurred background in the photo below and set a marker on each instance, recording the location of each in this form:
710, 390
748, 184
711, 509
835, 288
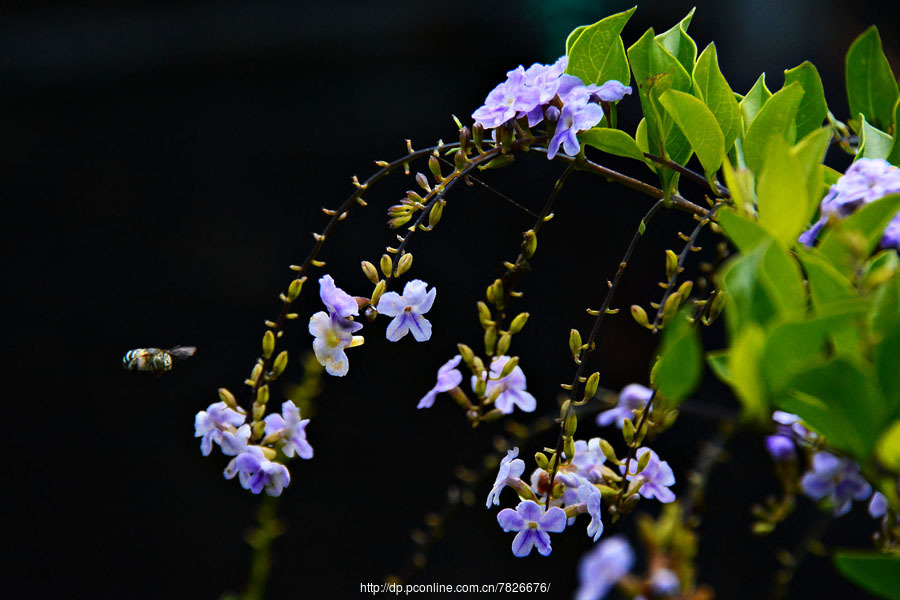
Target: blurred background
162, 165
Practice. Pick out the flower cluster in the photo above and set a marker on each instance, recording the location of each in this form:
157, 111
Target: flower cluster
633, 397
545, 92
602, 567
867, 180
837, 479
581, 479
788, 432
333, 330
506, 391
254, 464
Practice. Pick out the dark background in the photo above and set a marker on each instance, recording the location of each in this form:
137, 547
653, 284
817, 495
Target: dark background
162, 165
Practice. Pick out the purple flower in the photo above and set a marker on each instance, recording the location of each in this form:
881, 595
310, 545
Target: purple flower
233, 443
512, 388
333, 334
511, 468
657, 476
838, 479
337, 300
407, 311
507, 100
256, 472
293, 430
577, 115
209, 424
448, 378
878, 505
665, 582
593, 501
865, 181
611, 91
632, 397
532, 524
546, 79
588, 457
780, 447
602, 567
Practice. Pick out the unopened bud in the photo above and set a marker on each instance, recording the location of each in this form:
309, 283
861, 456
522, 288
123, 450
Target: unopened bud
540, 459
608, 451
423, 182
228, 398
530, 245
262, 395
484, 313
518, 323
466, 353
259, 427
503, 344
640, 315
268, 343
490, 340
571, 424
643, 461
670, 309
590, 388
671, 264
628, 431
478, 135
294, 288
436, 212
387, 265
370, 272
510, 365
280, 364
684, 290
377, 292
575, 343
404, 263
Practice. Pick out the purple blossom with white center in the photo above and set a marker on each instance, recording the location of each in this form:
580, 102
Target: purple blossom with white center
448, 378
407, 311
209, 424
338, 301
602, 567
865, 181
632, 397
837, 479
546, 79
593, 501
333, 334
511, 468
509, 99
665, 582
577, 115
588, 457
256, 472
293, 430
234, 443
533, 525
657, 476
512, 388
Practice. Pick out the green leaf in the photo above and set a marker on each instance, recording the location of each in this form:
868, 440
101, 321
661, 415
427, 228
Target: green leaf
710, 86
570, 41
888, 448
894, 156
613, 141
854, 238
680, 365
679, 43
775, 119
597, 54
885, 313
871, 86
782, 191
718, 362
886, 357
812, 110
744, 367
748, 300
699, 126
810, 151
840, 400
753, 102
876, 573
873, 143
743, 231
827, 285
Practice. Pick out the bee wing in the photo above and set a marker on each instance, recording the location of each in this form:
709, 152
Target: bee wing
182, 352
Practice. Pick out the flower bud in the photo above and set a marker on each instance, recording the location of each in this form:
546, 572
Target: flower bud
590, 388
490, 340
255, 373
262, 395
268, 343
478, 135
628, 431
259, 427
575, 343
436, 211
465, 136
607, 492
280, 364
634, 485
643, 461
608, 451
466, 353
684, 290
518, 323
459, 159
671, 264
423, 182
503, 344
530, 244
640, 315
559, 489
670, 309
477, 364
228, 398
509, 366
404, 263
484, 313
540, 459
387, 265
608, 474
370, 271
294, 289
378, 291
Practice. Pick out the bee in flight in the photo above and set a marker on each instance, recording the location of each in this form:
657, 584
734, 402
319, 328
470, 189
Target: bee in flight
155, 360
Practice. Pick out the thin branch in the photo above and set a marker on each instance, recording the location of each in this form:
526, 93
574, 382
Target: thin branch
719, 190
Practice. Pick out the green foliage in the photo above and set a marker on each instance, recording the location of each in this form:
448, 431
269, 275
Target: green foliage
698, 124
871, 86
613, 141
812, 110
710, 87
775, 119
873, 143
782, 192
878, 574
680, 364
596, 52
